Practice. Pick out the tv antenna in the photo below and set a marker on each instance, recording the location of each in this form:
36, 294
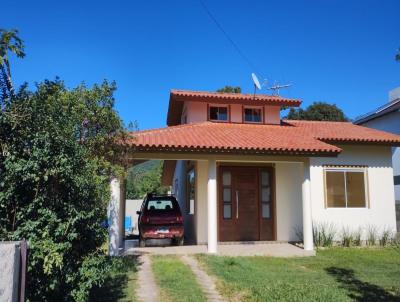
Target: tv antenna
256, 82
276, 87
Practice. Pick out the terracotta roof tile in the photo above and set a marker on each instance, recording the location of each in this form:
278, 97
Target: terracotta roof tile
292, 137
209, 96
345, 132
178, 97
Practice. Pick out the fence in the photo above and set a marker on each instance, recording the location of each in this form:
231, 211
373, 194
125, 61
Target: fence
13, 265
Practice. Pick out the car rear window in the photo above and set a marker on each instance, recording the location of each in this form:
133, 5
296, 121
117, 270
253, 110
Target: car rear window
160, 205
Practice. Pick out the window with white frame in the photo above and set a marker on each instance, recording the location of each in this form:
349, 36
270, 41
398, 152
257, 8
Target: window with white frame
346, 187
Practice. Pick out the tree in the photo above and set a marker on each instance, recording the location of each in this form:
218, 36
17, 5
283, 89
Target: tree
9, 42
398, 55
318, 111
55, 146
230, 89
145, 178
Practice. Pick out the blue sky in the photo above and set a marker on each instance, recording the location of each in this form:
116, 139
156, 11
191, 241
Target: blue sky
335, 51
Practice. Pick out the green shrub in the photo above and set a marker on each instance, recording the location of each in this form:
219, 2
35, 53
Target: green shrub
54, 185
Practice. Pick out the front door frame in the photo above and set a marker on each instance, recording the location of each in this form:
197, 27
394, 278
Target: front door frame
260, 166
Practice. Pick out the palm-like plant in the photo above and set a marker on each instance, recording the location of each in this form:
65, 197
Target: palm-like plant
9, 42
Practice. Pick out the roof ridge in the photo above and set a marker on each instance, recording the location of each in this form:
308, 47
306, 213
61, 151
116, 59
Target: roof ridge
227, 93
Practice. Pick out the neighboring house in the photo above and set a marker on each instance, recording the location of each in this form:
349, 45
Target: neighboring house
240, 173
387, 118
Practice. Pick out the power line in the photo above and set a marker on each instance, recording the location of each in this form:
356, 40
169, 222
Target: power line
235, 46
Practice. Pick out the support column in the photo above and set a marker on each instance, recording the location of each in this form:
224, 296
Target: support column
116, 217
307, 217
122, 205
212, 206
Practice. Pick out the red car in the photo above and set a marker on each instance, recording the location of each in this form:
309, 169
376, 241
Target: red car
160, 218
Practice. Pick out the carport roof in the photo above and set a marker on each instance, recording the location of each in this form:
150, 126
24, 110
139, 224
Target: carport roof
291, 137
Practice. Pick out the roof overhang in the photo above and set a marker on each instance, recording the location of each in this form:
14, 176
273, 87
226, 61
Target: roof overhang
168, 170
178, 97
379, 112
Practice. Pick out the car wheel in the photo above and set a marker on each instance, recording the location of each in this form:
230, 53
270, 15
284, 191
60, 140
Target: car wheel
179, 241
142, 242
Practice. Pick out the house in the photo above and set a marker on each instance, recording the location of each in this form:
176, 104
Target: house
387, 118
241, 173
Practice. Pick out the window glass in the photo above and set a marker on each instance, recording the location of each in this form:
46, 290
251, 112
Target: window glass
335, 189
252, 115
265, 194
355, 189
227, 210
345, 189
227, 194
219, 113
160, 205
264, 178
397, 180
226, 178
265, 210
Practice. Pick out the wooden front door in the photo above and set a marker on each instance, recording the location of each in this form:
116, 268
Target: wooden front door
245, 204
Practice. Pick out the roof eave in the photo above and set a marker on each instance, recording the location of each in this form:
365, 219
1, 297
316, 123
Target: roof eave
361, 142
219, 151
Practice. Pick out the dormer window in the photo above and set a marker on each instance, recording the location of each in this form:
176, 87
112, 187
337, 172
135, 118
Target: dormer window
252, 115
218, 113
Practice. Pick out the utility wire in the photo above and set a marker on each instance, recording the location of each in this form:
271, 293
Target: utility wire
235, 46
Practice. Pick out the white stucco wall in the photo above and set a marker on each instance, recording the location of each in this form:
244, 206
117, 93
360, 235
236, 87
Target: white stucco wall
391, 123
179, 190
289, 176
289, 214
381, 211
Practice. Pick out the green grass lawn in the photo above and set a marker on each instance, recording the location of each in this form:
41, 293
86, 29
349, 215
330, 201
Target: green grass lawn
176, 280
336, 274
120, 285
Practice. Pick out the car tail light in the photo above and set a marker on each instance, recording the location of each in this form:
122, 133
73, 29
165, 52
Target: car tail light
179, 219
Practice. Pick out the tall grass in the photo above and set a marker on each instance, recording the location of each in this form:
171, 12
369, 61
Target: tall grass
347, 237
372, 234
357, 235
386, 237
324, 234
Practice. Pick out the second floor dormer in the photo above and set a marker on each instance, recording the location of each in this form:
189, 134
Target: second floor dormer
187, 107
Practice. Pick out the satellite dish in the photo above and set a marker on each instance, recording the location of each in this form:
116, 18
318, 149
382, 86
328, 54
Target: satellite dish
256, 81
